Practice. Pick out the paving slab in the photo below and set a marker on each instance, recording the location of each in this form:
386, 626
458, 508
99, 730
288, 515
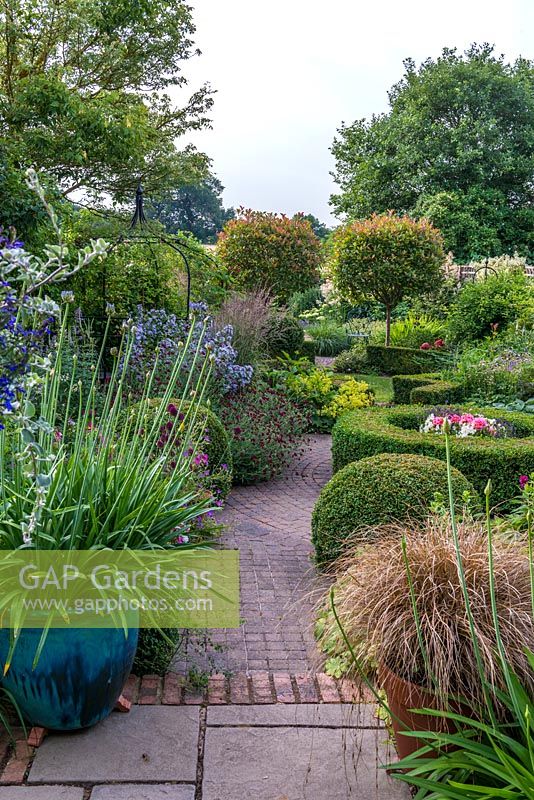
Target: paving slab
298, 764
41, 793
135, 791
314, 715
157, 743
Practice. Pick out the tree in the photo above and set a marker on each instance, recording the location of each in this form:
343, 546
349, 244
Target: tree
388, 258
270, 250
457, 145
319, 228
197, 208
83, 94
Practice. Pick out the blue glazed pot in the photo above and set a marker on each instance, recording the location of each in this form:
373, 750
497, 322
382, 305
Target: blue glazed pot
78, 678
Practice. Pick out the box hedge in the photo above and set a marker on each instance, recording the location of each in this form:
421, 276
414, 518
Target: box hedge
400, 360
376, 491
360, 434
437, 393
403, 385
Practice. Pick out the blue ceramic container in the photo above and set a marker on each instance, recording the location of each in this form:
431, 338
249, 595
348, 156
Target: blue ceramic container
78, 678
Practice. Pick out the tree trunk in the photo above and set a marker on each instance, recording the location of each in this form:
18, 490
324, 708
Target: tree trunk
388, 324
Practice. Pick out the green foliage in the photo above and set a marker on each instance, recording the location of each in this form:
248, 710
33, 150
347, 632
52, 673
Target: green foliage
196, 208
265, 429
135, 273
456, 146
396, 430
156, 650
83, 94
327, 400
498, 301
375, 491
206, 430
330, 338
306, 300
283, 334
399, 360
388, 258
271, 250
403, 385
416, 330
308, 349
438, 393
353, 360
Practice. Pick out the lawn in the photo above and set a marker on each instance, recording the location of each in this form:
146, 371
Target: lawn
382, 386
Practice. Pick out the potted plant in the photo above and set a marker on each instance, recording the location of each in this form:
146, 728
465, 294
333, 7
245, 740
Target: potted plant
72, 479
444, 620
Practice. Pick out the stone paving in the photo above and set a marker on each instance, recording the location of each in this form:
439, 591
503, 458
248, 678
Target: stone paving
269, 725
277, 752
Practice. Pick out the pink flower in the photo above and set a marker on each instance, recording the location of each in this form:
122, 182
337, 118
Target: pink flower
469, 418
523, 480
479, 423
454, 418
438, 421
426, 346
439, 343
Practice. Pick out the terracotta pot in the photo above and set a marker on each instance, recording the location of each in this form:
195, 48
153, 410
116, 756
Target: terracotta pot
403, 696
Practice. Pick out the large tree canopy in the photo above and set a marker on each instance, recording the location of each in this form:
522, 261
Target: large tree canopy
83, 94
457, 146
197, 208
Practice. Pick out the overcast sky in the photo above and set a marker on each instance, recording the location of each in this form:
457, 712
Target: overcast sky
287, 72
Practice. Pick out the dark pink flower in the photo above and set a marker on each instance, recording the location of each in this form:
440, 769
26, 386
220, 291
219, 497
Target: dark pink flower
523, 480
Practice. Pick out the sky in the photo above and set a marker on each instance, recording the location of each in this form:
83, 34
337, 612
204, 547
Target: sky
288, 72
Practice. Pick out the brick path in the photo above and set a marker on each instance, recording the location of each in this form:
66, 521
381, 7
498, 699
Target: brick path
270, 525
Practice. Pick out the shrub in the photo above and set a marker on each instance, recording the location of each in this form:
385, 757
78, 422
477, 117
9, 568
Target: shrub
264, 427
249, 315
366, 433
491, 305
326, 400
415, 330
329, 337
283, 334
375, 491
388, 258
155, 650
403, 385
306, 300
353, 360
399, 360
437, 393
159, 339
308, 349
214, 471
500, 368
272, 250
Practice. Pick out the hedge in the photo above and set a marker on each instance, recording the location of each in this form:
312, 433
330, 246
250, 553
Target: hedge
403, 385
359, 434
284, 334
437, 393
399, 360
375, 491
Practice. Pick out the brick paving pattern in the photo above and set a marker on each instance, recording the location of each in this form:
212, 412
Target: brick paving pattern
269, 523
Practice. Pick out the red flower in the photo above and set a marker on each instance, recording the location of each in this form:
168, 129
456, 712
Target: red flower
426, 346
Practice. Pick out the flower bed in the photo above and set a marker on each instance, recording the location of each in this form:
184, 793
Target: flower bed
396, 430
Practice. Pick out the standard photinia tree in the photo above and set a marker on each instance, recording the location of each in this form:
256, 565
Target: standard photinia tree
388, 258
271, 250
